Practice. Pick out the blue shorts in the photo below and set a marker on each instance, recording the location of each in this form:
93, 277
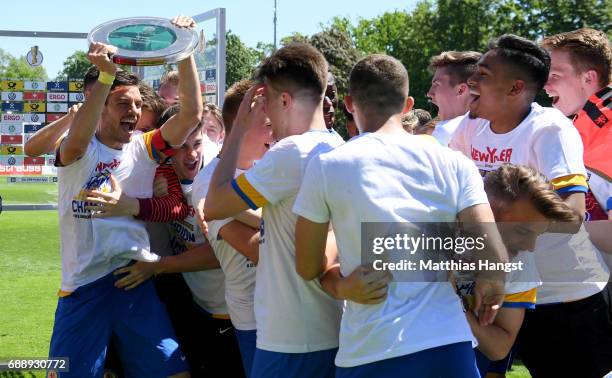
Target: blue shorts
453, 360
246, 342
137, 320
268, 364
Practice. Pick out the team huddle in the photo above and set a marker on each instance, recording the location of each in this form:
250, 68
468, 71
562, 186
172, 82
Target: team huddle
198, 241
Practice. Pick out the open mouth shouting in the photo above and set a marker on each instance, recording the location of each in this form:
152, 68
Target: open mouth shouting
129, 124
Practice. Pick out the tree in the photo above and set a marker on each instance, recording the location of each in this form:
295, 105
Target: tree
241, 60
75, 66
18, 68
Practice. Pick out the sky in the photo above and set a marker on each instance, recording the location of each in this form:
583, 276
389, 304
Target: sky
250, 20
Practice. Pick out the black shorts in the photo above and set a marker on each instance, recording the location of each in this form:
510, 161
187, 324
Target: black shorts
571, 339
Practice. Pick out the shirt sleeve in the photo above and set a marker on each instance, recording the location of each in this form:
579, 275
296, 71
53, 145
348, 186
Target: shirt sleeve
172, 206
156, 147
457, 141
215, 226
275, 177
557, 151
310, 202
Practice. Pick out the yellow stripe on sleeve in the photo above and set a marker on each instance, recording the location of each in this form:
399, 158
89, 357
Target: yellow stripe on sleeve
568, 181
248, 193
522, 299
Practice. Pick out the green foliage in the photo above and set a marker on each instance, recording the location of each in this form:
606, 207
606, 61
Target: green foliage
241, 60
18, 68
75, 66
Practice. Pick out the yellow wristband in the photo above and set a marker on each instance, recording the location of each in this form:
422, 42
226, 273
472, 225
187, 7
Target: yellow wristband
106, 78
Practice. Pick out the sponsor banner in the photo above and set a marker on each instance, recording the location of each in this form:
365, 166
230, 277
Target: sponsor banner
12, 118
11, 139
33, 118
57, 86
75, 86
11, 150
57, 96
211, 98
34, 107
31, 128
34, 160
12, 106
76, 97
20, 169
29, 85
12, 96
11, 128
46, 170
210, 74
51, 161
211, 88
37, 96
53, 117
31, 180
57, 107
26, 137
11, 160
11, 85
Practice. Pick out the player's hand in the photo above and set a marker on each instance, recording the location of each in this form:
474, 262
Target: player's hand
489, 296
74, 109
251, 112
99, 55
184, 22
113, 204
365, 285
137, 274
160, 186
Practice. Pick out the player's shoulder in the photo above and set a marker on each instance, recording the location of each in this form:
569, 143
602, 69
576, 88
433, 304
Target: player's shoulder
545, 118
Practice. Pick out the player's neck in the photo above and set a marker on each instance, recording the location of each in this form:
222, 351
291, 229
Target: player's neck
108, 141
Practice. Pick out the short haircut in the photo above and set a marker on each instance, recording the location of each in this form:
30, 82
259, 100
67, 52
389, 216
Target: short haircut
125, 79
378, 85
415, 120
169, 77
213, 109
460, 65
510, 183
231, 102
91, 76
589, 49
529, 62
297, 68
151, 100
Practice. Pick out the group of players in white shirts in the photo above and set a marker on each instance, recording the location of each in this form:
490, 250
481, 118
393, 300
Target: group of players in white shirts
291, 277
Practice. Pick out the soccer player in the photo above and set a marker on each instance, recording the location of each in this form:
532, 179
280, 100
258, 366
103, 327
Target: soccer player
236, 244
449, 90
152, 108
168, 87
580, 86
214, 132
297, 322
99, 145
524, 205
387, 175
509, 128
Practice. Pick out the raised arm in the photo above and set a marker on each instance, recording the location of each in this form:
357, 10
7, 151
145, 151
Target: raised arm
45, 139
178, 128
74, 146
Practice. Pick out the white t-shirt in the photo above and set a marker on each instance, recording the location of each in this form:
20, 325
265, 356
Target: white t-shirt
444, 130
207, 286
398, 178
92, 248
239, 271
547, 141
292, 315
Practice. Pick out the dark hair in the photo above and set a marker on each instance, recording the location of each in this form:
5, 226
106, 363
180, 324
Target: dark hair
91, 76
460, 65
232, 100
529, 62
151, 100
589, 49
378, 85
169, 113
296, 68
